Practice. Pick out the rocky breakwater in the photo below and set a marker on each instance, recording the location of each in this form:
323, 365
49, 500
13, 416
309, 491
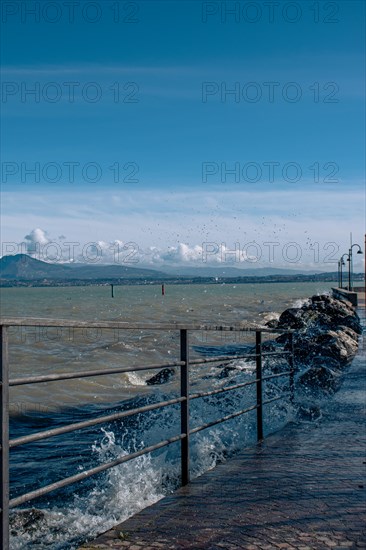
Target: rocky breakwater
325, 340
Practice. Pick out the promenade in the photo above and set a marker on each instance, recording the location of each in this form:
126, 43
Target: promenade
302, 488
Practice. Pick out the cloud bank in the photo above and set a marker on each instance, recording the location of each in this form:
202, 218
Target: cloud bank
39, 244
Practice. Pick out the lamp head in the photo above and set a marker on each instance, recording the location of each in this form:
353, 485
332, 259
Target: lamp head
359, 251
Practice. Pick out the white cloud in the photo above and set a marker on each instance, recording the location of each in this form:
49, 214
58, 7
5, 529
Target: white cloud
170, 228
294, 253
37, 239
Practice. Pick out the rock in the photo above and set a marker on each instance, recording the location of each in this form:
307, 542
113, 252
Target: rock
350, 332
325, 361
353, 322
269, 346
332, 343
226, 371
162, 377
291, 318
272, 323
335, 312
320, 378
326, 330
348, 343
283, 339
308, 412
335, 345
26, 521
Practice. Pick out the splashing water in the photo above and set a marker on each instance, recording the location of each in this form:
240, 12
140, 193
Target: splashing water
72, 516
68, 517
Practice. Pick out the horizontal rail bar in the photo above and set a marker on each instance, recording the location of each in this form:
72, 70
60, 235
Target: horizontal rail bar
217, 359
45, 322
38, 436
234, 357
221, 390
115, 325
45, 434
266, 353
230, 416
223, 419
87, 374
121, 370
276, 398
93, 471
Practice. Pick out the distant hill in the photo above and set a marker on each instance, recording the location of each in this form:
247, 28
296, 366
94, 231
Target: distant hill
220, 271
23, 267
22, 270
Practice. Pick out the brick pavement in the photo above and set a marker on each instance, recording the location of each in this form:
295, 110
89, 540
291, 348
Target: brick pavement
301, 488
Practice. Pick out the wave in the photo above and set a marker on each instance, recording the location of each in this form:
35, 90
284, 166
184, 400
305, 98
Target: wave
66, 518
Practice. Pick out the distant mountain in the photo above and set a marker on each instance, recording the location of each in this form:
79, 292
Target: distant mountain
22, 270
23, 267
232, 271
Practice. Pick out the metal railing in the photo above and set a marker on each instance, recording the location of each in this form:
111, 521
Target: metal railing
184, 363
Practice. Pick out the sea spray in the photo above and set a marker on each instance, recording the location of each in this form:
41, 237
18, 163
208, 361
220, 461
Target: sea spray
67, 518
70, 517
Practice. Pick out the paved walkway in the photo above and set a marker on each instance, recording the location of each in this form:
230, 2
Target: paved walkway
302, 488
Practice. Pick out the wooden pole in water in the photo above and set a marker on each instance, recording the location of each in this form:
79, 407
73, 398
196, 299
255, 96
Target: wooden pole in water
112, 291
163, 290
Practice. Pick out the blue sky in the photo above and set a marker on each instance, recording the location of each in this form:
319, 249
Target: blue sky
176, 124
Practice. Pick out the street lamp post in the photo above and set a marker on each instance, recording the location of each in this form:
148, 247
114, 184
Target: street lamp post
339, 273
359, 251
341, 262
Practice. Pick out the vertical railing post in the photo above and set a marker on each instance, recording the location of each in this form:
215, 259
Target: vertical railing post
258, 351
184, 406
4, 413
292, 369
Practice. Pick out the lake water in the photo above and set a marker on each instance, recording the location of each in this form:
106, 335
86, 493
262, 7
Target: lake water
69, 516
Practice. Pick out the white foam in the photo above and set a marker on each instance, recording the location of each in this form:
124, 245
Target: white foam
301, 302
135, 379
125, 489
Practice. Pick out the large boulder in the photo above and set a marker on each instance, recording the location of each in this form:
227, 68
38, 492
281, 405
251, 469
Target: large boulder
350, 332
321, 310
320, 378
325, 329
337, 345
292, 318
325, 361
347, 341
353, 322
162, 377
